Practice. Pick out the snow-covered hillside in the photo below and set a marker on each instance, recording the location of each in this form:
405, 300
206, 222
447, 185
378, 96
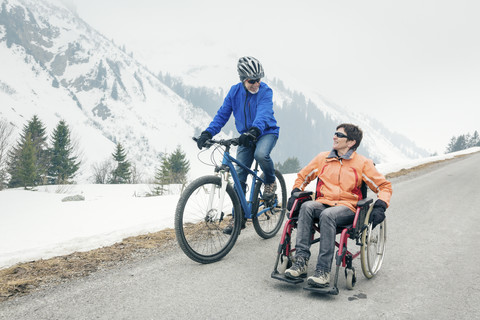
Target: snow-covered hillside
57, 67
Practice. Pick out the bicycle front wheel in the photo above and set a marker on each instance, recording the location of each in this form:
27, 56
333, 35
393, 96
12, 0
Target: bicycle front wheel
199, 220
268, 215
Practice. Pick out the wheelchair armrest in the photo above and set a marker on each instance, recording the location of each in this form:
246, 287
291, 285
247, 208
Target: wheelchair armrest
301, 194
364, 202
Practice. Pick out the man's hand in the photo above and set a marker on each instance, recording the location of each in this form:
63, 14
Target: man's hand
204, 136
378, 212
249, 136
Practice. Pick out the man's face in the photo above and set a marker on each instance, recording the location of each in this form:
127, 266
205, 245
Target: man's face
252, 87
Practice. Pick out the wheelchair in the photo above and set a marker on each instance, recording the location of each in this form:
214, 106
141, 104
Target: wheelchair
371, 242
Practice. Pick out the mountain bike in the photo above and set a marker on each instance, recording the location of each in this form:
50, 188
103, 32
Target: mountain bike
209, 203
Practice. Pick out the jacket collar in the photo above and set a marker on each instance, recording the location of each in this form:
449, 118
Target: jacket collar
346, 156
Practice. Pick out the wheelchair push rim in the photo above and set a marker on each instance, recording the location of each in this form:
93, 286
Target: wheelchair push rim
373, 247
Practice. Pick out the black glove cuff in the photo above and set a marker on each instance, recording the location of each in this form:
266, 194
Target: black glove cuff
254, 131
207, 134
381, 204
295, 190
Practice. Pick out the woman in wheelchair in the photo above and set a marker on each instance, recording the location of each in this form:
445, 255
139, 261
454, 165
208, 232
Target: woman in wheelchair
340, 174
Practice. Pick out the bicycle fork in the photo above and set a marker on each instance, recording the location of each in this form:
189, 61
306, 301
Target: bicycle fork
223, 189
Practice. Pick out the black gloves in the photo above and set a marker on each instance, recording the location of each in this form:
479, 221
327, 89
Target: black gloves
292, 199
249, 136
204, 136
378, 212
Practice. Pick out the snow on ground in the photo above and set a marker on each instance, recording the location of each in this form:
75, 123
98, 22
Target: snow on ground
39, 225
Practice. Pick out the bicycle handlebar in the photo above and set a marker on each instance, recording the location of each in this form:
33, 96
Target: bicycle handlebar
222, 142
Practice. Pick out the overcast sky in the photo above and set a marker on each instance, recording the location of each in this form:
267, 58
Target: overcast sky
412, 64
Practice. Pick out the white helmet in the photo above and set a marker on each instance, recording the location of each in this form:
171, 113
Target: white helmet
249, 68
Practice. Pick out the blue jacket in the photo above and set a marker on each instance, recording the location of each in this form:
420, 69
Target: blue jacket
249, 110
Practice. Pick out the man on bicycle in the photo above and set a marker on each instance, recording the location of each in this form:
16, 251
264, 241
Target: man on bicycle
340, 173
251, 103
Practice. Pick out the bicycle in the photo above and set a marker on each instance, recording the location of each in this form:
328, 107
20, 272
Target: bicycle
207, 202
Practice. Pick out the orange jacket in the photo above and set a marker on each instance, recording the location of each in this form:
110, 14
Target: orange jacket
340, 179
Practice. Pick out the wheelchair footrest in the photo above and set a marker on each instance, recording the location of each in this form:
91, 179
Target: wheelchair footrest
326, 290
281, 277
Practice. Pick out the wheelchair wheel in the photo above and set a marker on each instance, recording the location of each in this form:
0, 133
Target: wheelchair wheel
351, 278
199, 222
287, 256
268, 215
372, 251
285, 263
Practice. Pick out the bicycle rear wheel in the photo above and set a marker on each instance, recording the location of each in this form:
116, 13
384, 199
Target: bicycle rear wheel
268, 215
199, 222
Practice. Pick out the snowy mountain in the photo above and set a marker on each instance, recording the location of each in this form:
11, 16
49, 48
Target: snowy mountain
57, 67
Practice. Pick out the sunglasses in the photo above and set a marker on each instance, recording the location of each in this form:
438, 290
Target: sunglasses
340, 135
253, 81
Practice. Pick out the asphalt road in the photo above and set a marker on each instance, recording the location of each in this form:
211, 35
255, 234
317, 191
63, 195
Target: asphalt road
431, 270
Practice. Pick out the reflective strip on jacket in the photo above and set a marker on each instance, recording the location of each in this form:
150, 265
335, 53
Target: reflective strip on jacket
249, 110
341, 179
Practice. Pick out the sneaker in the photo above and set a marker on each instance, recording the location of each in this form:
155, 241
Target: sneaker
319, 279
228, 229
299, 269
269, 190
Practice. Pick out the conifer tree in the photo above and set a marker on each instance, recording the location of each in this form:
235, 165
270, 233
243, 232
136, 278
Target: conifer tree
178, 166
36, 130
474, 140
63, 163
162, 176
173, 170
27, 169
291, 165
121, 173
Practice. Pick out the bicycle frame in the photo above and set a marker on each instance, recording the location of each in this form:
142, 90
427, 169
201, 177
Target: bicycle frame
228, 162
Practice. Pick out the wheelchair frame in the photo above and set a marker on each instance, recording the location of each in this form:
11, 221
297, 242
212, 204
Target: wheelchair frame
371, 241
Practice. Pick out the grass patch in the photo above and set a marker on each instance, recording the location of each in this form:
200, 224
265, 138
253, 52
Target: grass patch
25, 277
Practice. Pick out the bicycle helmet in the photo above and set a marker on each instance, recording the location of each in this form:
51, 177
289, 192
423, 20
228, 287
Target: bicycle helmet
249, 68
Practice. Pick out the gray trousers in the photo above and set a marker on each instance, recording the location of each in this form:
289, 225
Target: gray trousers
329, 219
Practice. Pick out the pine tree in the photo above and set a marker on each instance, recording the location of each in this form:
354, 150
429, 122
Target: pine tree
174, 169
451, 145
458, 143
27, 169
291, 165
63, 163
474, 140
179, 166
121, 174
36, 130
162, 176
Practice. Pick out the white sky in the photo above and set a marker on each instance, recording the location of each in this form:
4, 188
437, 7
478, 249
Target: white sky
412, 64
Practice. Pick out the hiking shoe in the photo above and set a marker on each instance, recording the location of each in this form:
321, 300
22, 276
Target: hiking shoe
299, 269
269, 190
228, 229
319, 279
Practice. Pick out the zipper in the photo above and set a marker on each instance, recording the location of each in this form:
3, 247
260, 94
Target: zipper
339, 175
245, 110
